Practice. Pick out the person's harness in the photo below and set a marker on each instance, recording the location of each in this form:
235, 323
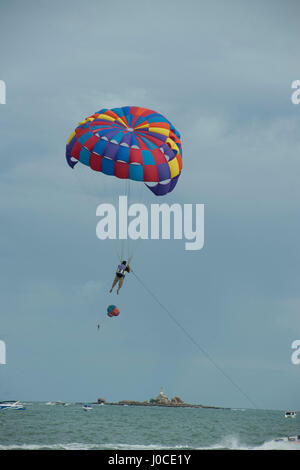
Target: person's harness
121, 270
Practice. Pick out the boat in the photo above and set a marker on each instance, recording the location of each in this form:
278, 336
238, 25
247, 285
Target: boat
57, 403
295, 439
290, 414
87, 407
12, 405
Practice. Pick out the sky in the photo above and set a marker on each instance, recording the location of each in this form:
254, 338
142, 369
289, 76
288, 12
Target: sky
222, 73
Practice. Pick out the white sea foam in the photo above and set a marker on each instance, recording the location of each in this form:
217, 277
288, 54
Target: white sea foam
233, 443
70, 446
230, 443
279, 445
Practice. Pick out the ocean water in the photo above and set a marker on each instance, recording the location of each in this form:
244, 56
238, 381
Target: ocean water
44, 426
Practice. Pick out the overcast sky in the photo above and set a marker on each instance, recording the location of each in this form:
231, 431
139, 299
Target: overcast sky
222, 73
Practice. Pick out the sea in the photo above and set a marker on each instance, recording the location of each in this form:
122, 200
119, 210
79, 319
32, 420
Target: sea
45, 426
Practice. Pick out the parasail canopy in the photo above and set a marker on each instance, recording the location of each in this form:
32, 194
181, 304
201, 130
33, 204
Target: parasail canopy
130, 143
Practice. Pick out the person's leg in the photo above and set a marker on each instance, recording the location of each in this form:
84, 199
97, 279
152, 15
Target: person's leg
120, 284
114, 283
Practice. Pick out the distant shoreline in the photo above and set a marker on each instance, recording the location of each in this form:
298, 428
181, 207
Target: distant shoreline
166, 405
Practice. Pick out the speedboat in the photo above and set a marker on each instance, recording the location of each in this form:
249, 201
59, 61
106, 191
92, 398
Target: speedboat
290, 414
12, 405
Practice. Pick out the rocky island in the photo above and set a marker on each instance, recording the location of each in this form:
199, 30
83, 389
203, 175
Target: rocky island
160, 400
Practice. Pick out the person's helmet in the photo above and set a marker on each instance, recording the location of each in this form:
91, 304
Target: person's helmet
124, 262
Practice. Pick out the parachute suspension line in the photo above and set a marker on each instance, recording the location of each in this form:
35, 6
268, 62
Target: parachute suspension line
129, 204
128, 194
187, 334
141, 199
136, 243
125, 251
128, 246
117, 246
122, 252
122, 242
118, 255
133, 251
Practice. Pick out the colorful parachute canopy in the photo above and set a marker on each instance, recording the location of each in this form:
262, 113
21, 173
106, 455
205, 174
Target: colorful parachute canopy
112, 311
131, 143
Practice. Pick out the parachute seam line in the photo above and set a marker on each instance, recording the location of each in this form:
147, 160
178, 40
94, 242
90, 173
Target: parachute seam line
195, 342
